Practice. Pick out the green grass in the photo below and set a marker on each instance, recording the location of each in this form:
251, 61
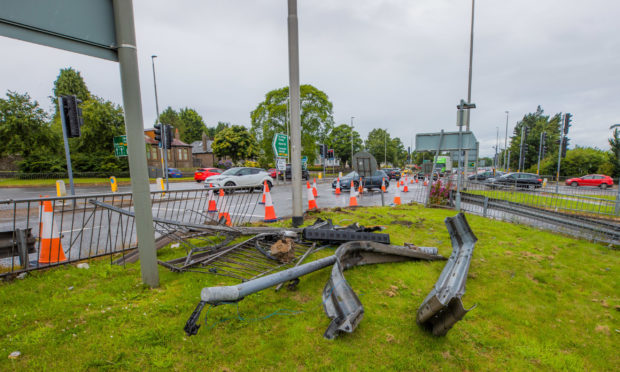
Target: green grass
544, 302
589, 205
15, 182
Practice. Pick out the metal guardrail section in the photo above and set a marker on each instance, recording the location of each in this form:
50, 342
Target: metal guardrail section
443, 307
600, 230
97, 225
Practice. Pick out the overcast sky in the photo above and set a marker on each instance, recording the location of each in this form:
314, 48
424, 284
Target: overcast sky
398, 64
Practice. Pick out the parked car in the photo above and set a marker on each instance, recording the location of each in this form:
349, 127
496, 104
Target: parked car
421, 175
599, 180
304, 174
201, 173
528, 180
393, 173
273, 172
481, 176
174, 173
240, 176
372, 182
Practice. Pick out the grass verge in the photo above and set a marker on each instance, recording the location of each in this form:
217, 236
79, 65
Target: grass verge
544, 301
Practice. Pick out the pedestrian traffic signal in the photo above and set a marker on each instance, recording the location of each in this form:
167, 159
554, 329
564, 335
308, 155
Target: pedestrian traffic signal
330, 153
73, 116
158, 134
169, 136
564, 147
567, 120
526, 130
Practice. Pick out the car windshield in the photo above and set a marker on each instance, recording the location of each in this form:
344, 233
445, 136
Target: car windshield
230, 172
351, 175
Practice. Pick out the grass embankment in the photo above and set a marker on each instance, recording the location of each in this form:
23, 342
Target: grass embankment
544, 301
576, 203
16, 182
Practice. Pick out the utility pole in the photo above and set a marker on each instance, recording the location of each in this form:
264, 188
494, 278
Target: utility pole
506, 144
496, 160
385, 148
521, 150
352, 117
293, 63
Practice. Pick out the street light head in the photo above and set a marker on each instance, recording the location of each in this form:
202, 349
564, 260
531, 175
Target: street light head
153, 56
614, 126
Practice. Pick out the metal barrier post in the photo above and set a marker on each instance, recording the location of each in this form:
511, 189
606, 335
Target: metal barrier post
485, 206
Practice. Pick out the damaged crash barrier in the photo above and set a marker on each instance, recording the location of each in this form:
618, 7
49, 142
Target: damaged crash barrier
326, 231
443, 307
340, 302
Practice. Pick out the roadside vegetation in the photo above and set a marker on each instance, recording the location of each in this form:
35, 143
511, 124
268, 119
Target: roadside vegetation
543, 301
15, 182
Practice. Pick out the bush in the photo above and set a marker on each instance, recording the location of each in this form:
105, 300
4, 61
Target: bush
225, 164
440, 193
42, 163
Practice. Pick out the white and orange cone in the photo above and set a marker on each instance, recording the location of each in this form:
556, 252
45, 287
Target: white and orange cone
212, 204
223, 212
352, 198
411, 180
405, 188
314, 192
416, 179
264, 192
338, 186
311, 201
50, 246
425, 181
270, 212
361, 187
397, 196
383, 184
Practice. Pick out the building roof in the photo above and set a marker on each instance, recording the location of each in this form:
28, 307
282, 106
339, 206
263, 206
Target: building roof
175, 142
198, 149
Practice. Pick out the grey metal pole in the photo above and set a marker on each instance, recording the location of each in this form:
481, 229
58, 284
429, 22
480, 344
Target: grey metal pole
496, 148
520, 150
430, 182
617, 195
352, 117
471, 56
164, 153
506, 144
293, 62
539, 153
63, 122
130, 83
508, 168
385, 147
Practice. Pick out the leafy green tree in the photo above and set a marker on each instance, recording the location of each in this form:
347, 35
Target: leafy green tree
235, 141
537, 123
24, 128
339, 139
212, 131
614, 155
578, 162
191, 125
270, 117
69, 82
170, 117
398, 152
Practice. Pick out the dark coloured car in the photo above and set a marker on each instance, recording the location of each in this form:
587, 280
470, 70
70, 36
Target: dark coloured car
304, 173
174, 173
372, 182
599, 180
525, 180
485, 175
392, 173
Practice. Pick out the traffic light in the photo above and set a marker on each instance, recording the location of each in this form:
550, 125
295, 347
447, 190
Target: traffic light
158, 134
73, 115
567, 120
330, 153
564, 147
169, 136
526, 130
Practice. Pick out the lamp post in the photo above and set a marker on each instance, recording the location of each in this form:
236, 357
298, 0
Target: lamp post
385, 148
352, 117
506, 144
163, 149
617, 195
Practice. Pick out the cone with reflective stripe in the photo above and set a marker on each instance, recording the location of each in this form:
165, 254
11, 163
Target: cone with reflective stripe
223, 212
352, 198
383, 184
50, 247
425, 181
314, 192
361, 187
411, 180
405, 188
264, 192
311, 201
397, 196
212, 205
416, 180
270, 213
338, 186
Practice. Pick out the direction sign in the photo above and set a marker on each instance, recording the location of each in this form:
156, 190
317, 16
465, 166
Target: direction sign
304, 163
280, 145
281, 164
120, 146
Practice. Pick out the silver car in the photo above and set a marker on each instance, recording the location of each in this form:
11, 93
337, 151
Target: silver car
240, 176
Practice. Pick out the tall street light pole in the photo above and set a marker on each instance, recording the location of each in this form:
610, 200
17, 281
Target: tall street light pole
163, 150
385, 148
618, 195
352, 117
506, 144
471, 56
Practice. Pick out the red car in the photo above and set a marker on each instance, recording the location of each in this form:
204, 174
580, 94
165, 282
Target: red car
202, 173
599, 180
272, 172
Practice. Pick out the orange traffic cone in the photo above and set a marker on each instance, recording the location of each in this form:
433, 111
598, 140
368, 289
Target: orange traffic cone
50, 246
338, 186
314, 192
397, 196
411, 180
361, 187
383, 184
405, 188
352, 198
212, 205
416, 180
311, 201
264, 192
270, 213
223, 212
425, 181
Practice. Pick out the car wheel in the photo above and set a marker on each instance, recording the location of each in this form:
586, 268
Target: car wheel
603, 186
229, 184
574, 184
198, 181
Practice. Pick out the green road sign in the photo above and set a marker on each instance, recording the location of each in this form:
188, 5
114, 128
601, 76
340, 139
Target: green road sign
280, 145
304, 163
120, 146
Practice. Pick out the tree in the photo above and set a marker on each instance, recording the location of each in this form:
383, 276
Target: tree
614, 154
536, 123
397, 149
212, 131
235, 141
384, 148
578, 162
69, 82
270, 117
339, 139
24, 127
191, 125
170, 117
